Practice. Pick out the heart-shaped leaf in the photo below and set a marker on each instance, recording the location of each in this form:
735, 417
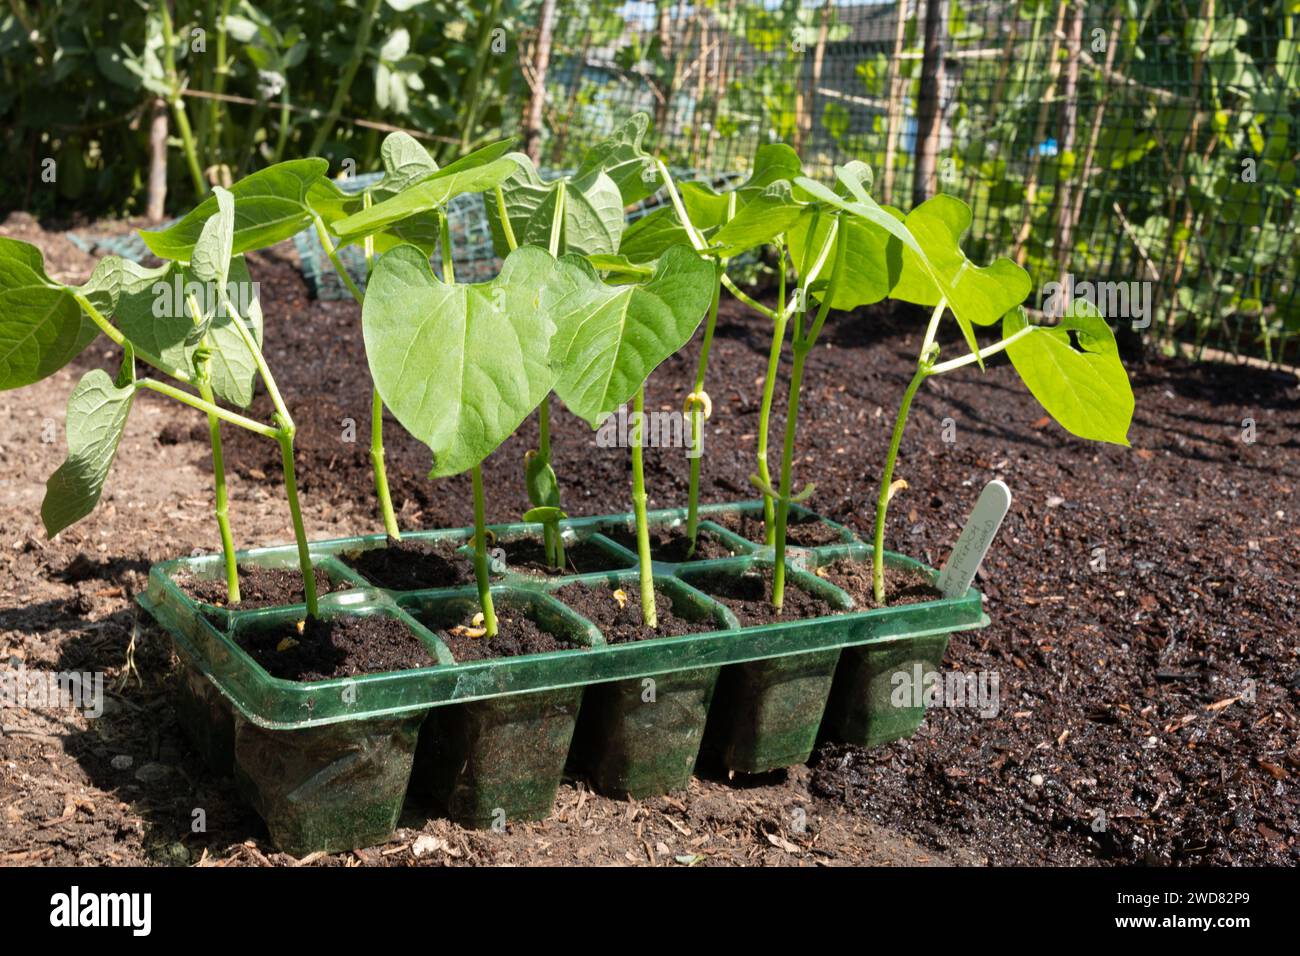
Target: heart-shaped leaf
622, 159
593, 211
1085, 388
460, 366
97, 413
270, 205
609, 339
42, 327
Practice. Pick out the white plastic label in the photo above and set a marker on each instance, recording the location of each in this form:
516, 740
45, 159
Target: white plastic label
981, 527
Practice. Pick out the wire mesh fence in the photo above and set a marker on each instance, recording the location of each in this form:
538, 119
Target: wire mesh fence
1141, 152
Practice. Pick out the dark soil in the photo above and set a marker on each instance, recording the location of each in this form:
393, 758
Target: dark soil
516, 636
749, 595
528, 556
339, 647
258, 587
1143, 603
672, 544
622, 624
902, 585
409, 565
800, 530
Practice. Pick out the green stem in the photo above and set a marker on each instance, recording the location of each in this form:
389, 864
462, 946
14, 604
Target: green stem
377, 464
284, 435
480, 555
803, 344
787, 463
345, 80
886, 481
506, 227
328, 245
444, 247
765, 409
171, 391
972, 357
557, 221
380, 469
176, 102
649, 614
697, 415
116, 336
472, 89
285, 438
212, 131
698, 243
222, 509
282, 135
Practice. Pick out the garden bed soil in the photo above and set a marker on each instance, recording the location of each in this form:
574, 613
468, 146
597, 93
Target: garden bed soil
517, 634
1132, 592
902, 585
749, 596
801, 531
528, 556
623, 624
412, 564
672, 544
258, 587
344, 646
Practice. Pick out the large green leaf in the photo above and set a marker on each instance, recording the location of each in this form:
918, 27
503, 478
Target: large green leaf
764, 216
97, 412
114, 277
872, 261
1086, 389
938, 259
593, 211
270, 205
405, 163
653, 234
42, 327
977, 294
767, 190
622, 158
609, 339
152, 311
428, 194
460, 366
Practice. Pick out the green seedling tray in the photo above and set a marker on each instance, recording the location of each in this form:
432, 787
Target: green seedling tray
326, 763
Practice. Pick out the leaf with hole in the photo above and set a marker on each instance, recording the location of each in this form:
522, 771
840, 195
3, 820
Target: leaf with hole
1085, 388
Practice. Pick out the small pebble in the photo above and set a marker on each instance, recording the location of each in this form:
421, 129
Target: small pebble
152, 772
122, 762
1036, 780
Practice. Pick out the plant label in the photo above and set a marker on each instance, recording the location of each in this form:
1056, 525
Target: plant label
973, 543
